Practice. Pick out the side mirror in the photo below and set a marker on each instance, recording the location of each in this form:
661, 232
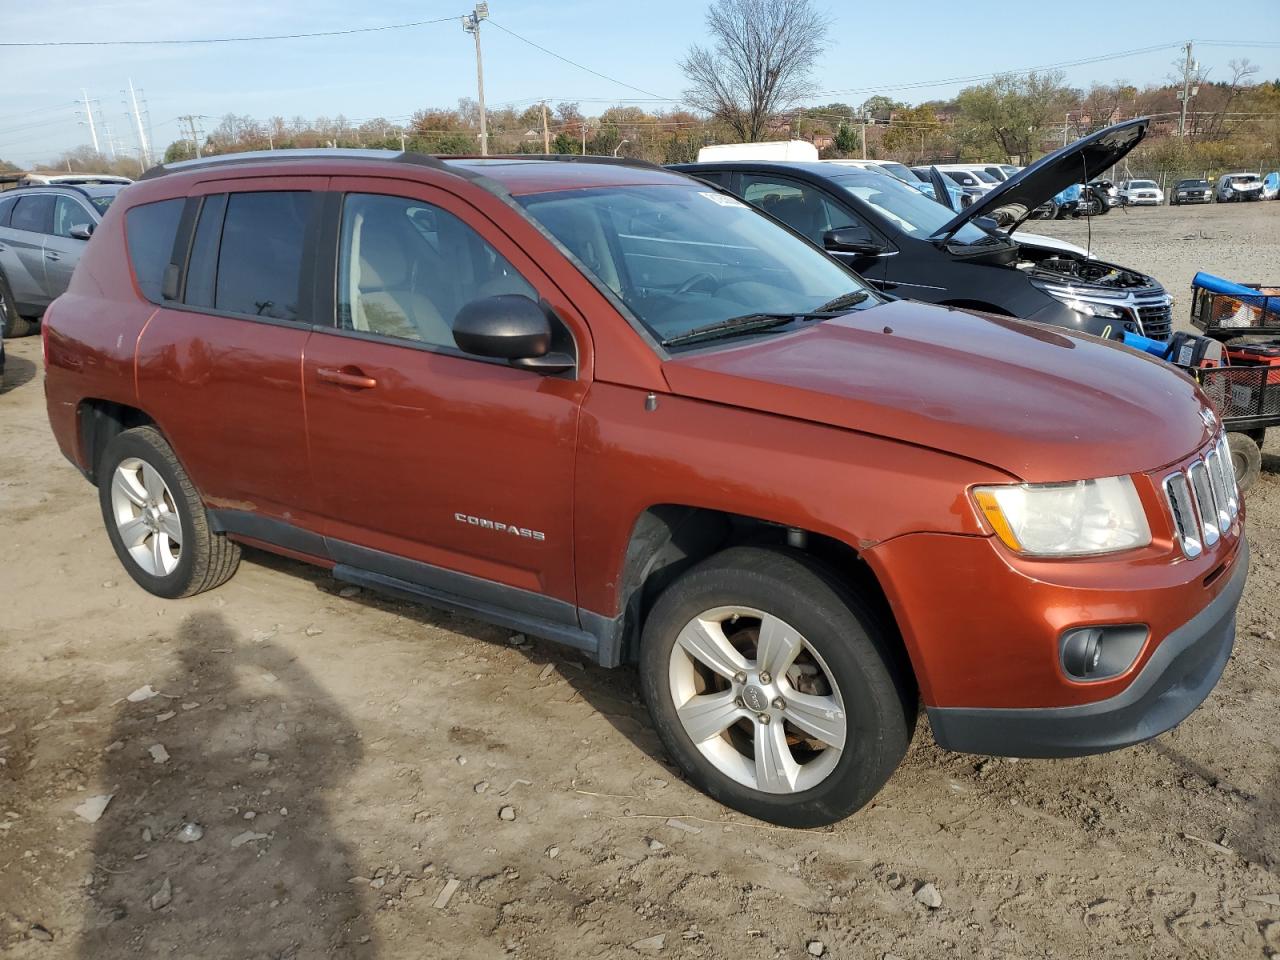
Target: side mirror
990, 224
856, 240
82, 231
509, 327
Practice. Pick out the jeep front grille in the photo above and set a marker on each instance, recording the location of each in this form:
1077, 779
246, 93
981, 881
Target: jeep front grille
1203, 499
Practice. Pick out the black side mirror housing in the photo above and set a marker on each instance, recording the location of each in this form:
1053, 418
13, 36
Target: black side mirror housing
509, 327
82, 231
857, 240
990, 224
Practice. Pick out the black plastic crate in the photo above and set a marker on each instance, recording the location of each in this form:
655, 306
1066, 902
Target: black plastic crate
1222, 315
1245, 397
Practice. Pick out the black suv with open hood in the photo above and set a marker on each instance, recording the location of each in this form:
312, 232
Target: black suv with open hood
913, 247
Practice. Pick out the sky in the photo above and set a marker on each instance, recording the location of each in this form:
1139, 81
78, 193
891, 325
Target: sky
922, 51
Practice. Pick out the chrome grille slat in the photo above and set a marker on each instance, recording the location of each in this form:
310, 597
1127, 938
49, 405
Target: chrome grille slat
1202, 493
1203, 498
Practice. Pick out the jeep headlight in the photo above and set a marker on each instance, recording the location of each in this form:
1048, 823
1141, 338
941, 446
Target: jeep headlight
1076, 519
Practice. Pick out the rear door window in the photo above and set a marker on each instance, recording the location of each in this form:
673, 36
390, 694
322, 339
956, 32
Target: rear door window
33, 213
150, 230
260, 254
6, 208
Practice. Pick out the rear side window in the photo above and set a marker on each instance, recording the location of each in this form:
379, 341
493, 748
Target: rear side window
33, 213
260, 256
150, 230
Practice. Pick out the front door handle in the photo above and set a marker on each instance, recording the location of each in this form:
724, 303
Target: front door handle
352, 377
50, 255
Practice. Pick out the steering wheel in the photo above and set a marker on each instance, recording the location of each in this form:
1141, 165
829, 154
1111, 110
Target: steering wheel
692, 282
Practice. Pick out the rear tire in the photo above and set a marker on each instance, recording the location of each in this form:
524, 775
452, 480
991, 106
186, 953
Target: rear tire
804, 748
156, 521
12, 325
1246, 458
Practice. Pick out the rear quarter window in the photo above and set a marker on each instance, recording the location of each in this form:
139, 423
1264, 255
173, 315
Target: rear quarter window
150, 230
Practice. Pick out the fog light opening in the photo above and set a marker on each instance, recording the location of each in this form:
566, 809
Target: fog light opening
1101, 652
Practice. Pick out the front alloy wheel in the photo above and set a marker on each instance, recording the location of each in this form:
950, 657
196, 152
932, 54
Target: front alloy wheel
775, 687
757, 700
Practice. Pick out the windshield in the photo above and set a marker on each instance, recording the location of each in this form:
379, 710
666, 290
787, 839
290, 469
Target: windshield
681, 256
899, 170
907, 208
1143, 184
985, 177
962, 177
1193, 183
1245, 178
100, 203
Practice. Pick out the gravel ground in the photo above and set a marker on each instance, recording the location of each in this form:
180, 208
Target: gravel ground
373, 779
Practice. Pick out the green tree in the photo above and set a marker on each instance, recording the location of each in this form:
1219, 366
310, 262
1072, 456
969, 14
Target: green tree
847, 140
1010, 115
563, 143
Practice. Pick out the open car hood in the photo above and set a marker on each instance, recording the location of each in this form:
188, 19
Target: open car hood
1078, 162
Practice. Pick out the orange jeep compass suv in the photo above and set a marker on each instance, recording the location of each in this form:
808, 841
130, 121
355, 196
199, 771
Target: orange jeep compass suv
609, 405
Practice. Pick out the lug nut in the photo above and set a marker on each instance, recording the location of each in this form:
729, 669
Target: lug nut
763, 718
764, 677
779, 703
739, 677
739, 703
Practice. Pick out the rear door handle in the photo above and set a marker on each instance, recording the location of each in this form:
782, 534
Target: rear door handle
352, 377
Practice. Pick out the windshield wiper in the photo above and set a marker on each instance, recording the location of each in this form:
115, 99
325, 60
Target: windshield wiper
733, 327
842, 302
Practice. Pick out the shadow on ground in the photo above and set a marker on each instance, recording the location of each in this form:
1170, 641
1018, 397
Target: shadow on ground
18, 372
255, 748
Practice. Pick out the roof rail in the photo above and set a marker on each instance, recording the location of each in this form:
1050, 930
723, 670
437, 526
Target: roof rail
565, 158
292, 155
73, 187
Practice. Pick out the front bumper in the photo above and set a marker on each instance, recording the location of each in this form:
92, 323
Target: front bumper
1175, 680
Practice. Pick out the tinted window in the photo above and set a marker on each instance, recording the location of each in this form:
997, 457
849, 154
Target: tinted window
679, 255
406, 268
6, 208
801, 207
150, 230
67, 213
202, 267
964, 179
260, 257
33, 213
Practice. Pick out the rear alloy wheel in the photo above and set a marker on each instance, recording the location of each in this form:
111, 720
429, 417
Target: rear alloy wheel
156, 520
1246, 458
12, 325
774, 689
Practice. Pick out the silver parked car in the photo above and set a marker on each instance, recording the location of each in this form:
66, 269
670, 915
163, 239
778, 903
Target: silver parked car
42, 232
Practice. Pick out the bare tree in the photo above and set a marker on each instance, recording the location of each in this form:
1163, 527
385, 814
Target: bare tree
759, 65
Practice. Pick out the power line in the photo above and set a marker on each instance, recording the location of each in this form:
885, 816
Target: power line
574, 63
278, 36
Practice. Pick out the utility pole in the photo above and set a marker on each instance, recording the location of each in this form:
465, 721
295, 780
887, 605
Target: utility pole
195, 137
403, 147
144, 148
88, 113
862, 115
1065, 121
584, 138
546, 132
1188, 90
471, 24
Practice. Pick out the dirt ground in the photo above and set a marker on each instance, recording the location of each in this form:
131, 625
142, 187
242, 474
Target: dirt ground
347, 759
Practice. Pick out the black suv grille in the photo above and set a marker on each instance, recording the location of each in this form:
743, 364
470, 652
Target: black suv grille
1157, 320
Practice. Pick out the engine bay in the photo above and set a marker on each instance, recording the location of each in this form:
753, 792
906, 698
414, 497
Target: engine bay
1056, 265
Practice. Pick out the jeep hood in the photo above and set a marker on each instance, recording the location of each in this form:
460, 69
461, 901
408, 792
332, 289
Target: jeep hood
1038, 402
1080, 162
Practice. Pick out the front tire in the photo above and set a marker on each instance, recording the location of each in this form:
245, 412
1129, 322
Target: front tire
1246, 458
775, 688
156, 521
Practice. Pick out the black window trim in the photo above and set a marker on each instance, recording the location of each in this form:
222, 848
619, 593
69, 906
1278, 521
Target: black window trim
326, 289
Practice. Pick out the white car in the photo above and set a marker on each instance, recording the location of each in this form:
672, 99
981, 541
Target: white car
1141, 193
892, 167
1234, 187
